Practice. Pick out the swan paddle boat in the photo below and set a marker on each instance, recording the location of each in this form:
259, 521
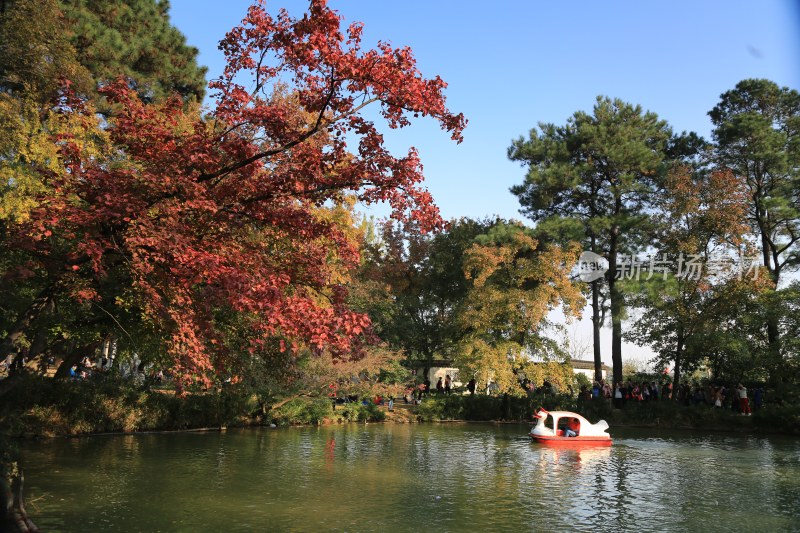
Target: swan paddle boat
573, 429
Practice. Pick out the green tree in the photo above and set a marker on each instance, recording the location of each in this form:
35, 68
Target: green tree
35, 53
757, 135
689, 314
93, 42
790, 324
515, 283
134, 39
412, 285
593, 179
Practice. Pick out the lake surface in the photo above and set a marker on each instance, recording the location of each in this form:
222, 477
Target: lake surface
396, 477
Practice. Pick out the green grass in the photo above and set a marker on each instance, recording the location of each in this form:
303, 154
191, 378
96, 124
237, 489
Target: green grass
37, 406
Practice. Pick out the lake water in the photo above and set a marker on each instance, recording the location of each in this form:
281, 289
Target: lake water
395, 477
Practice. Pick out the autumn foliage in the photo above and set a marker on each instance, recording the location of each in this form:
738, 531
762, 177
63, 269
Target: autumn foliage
516, 282
208, 217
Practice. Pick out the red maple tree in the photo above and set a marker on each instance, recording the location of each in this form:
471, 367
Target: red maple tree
222, 213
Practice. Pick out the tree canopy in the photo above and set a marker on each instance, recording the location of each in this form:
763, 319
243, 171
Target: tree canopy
690, 315
757, 134
134, 39
516, 282
413, 286
200, 216
592, 180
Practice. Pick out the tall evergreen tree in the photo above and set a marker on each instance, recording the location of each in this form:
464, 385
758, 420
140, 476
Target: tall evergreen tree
596, 175
46, 40
757, 135
135, 39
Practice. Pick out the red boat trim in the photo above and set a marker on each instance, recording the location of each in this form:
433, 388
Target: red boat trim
571, 440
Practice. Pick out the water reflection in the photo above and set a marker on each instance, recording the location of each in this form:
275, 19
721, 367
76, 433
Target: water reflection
409, 477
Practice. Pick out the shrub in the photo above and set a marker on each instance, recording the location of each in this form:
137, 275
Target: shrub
483, 408
371, 413
480, 407
454, 407
432, 408
358, 412
782, 418
44, 406
302, 411
350, 412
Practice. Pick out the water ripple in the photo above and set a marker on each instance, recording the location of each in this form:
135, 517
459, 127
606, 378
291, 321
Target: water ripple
454, 477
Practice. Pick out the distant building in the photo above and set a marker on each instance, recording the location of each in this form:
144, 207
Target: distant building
582, 366
440, 369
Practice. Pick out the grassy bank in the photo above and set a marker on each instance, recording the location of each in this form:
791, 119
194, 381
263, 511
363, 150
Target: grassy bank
33, 406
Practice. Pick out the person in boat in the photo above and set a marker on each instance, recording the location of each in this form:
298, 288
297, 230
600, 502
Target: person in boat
573, 427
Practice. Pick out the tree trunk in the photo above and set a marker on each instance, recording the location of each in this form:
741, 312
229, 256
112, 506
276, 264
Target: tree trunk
616, 307
427, 372
598, 362
23, 323
37, 349
774, 337
287, 400
616, 334
676, 379
506, 407
596, 311
772, 263
13, 517
68, 362
72, 358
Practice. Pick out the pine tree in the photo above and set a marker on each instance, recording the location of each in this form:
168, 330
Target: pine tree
593, 179
757, 135
135, 39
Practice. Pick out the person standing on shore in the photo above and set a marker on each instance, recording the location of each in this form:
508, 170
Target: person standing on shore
758, 399
744, 403
618, 396
717, 397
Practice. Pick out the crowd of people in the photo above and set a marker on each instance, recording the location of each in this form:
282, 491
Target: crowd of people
415, 393
734, 397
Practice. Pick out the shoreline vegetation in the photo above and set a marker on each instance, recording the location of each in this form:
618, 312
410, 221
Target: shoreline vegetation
36, 407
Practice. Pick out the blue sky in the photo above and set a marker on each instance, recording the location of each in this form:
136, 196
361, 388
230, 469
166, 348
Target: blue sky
512, 64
